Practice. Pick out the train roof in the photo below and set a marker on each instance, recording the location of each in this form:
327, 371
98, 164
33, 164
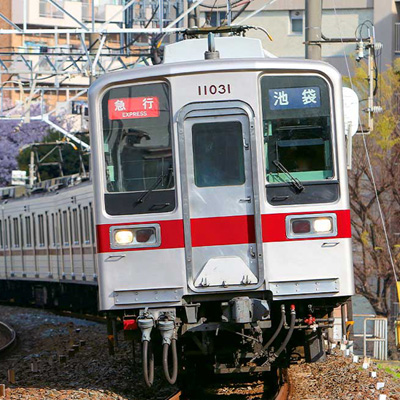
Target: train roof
228, 47
47, 186
232, 57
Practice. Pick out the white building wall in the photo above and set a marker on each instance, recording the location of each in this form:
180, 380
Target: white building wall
339, 18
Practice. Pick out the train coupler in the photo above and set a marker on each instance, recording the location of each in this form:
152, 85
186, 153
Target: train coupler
243, 310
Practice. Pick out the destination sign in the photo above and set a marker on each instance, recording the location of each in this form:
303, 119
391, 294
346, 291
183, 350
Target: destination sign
133, 107
294, 98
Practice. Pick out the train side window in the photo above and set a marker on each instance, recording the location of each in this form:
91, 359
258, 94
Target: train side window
41, 230
138, 149
5, 235
1, 234
60, 228
28, 232
92, 227
16, 232
215, 145
21, 225
34, 235
65, 228
53, 230
10, 232
86, 225
75, 226
297, 128
47, 227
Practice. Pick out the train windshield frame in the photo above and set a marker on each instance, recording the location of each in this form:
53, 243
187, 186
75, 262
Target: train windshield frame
297, 129
137, 148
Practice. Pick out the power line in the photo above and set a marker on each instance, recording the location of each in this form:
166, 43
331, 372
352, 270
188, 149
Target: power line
368, 158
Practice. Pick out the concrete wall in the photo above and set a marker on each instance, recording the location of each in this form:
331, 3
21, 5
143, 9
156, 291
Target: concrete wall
340, 19
277, 23
385, 16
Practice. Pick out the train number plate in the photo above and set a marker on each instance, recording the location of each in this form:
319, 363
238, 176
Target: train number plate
207, 90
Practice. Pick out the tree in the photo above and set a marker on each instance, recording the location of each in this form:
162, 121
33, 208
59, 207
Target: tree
70, 156
13, 135
374, 274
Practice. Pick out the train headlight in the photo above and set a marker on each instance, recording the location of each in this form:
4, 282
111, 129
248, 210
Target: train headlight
312, 225
323, 225
132, 236
123, 237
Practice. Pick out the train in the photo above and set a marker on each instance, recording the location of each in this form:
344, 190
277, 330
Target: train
216, 224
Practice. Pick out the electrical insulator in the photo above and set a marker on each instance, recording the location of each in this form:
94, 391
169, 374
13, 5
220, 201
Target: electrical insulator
360, 51
376, 109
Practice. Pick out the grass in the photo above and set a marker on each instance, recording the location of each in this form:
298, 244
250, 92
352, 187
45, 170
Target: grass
391, 368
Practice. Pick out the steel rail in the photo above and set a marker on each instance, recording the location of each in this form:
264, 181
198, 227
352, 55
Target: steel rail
282, 393
284, 390
10, 332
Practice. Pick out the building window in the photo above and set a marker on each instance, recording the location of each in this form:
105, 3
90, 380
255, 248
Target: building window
46, 9
296, 22
215, 18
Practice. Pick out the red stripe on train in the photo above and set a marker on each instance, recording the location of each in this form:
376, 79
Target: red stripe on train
171, 236
219, 231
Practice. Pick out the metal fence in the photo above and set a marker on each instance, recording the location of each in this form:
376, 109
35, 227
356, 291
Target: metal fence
375, 331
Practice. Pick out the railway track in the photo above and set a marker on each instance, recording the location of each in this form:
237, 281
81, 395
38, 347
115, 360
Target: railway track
282, 393
7, 337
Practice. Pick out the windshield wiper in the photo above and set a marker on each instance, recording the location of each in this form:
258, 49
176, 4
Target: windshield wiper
155, 185
294, 181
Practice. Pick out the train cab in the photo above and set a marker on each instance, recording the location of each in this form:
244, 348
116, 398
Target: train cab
221, 193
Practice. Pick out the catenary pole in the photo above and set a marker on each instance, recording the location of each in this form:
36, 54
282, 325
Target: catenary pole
313, 28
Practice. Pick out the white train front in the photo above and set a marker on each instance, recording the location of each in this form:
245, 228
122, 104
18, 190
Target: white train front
221, 198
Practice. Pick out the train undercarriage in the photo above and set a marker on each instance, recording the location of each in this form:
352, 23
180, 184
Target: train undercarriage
244, 335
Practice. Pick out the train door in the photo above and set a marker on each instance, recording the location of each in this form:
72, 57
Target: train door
222, 221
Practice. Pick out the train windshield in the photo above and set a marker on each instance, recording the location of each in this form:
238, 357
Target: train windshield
137, 148
297, 128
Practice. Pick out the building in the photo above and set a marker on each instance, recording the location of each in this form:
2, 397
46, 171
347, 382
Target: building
285, 21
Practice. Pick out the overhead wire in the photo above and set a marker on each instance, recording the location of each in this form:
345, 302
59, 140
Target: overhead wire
215, 7
137, 36
382, 217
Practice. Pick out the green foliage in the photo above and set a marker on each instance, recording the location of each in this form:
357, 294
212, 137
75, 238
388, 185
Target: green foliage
392, 369
372, 262
70, 158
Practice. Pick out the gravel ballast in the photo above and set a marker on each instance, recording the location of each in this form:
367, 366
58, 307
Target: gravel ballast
90, 373
339, 378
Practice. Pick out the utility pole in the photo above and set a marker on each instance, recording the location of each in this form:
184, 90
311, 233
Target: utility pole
313, 29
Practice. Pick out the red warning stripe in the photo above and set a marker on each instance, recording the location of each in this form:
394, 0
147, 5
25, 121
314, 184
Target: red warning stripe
222, 231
